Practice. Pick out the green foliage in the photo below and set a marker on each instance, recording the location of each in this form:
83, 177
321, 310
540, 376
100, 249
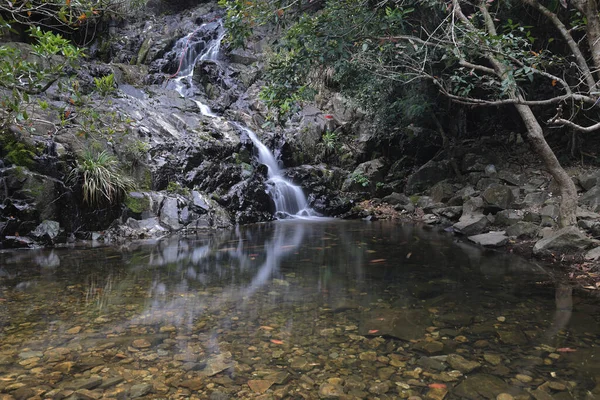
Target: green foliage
237, 22
25, 74
330, 140
100, 179
360, 179
136, 151
105, 85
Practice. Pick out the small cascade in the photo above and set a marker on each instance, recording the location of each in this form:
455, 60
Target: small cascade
192, 49
289, 199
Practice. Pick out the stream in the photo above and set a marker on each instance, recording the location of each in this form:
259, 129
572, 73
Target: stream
298, 309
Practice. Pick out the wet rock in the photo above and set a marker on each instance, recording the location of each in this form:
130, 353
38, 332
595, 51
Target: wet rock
218, 363
379, 388
436, 393
330, 391
493, 359
398, 323
433, 347
564, 240
84, 383
490, 239
512, 337
431, 363
462, 364
47, 232
140, 390
478, 386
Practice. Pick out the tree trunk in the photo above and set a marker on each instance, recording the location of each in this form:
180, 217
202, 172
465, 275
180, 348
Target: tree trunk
589, 9
568, 192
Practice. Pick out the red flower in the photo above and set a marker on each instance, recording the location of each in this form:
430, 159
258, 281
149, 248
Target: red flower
328, 116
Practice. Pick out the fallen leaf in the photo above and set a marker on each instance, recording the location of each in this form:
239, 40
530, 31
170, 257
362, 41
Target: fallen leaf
266, 328
437, 385
408, 255
276, 341
566, 350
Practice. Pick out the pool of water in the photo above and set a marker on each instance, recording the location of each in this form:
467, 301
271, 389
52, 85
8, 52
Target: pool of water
293, 310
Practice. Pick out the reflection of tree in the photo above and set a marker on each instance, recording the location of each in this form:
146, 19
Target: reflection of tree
564, 309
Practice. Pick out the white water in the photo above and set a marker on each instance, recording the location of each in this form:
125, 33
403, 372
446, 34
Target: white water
289, 199
193, 53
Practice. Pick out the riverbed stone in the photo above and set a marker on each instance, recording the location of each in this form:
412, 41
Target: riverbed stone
462, 364
512, 337
478, 386
399, 323
331, 391
140, 390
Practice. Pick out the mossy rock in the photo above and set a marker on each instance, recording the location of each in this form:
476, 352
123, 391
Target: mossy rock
137, 202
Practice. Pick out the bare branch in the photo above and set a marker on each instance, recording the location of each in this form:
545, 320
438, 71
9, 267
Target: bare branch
571, 124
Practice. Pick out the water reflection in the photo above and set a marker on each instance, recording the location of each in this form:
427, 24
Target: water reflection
368, 309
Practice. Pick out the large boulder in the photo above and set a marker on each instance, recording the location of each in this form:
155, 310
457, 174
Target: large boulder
565, 240
498, 196
471, 224
427, 176
365, 176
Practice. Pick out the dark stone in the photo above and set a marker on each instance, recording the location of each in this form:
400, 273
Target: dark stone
498, 196
565, 240
478, 386
140, 390
399, 323
427, 176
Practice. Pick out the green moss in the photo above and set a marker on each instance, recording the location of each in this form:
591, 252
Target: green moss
18, 153
175, 187
137, 204
414, 199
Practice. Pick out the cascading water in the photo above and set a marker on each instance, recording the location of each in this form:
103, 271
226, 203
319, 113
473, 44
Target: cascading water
192, 50
289, 199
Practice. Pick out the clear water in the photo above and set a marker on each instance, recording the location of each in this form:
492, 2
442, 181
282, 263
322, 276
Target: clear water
293, 309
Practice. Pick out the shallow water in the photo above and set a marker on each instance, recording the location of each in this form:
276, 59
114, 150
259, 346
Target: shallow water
293, 309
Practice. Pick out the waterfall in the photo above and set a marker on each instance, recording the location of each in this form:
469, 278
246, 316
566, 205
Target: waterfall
290, 201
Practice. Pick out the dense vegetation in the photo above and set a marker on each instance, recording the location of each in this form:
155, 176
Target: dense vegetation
398, 57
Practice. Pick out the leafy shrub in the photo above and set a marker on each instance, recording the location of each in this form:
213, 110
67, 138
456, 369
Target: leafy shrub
105, 85
101, 182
